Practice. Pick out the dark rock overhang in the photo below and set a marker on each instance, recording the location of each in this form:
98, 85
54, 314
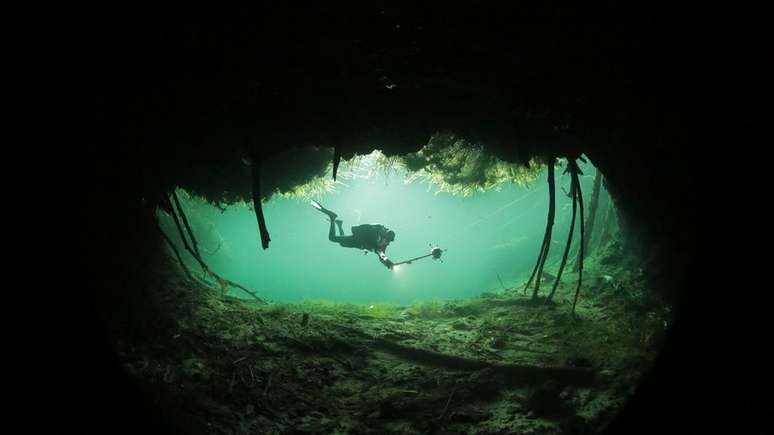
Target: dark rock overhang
179, 96
185, 103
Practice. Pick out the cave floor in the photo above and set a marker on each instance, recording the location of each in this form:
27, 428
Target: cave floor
493, 364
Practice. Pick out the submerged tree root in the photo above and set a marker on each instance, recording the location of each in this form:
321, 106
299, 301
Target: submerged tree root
222, 282
515, 374
572, 166
579, 199
512, 374
537, 272
256, 178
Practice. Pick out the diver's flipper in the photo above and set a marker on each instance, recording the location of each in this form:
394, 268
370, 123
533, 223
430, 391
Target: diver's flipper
330, 214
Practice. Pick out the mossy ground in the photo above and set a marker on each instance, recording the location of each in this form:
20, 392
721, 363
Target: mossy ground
225, 365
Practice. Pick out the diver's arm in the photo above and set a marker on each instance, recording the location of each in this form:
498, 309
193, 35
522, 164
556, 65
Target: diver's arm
385, 261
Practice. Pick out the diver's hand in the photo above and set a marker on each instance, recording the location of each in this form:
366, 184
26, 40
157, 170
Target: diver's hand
385, 260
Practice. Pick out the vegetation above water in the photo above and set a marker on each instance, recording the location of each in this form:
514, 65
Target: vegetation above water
458, 167
447, 163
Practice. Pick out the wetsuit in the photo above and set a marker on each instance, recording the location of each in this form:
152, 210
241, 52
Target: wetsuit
371, 237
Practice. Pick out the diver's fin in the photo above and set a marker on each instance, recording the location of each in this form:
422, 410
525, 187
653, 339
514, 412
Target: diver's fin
330, 214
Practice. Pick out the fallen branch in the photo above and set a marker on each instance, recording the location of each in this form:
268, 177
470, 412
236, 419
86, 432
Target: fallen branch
443, 413
528, 349
512, 373
501, 281
244, 289
268, 384
232, 383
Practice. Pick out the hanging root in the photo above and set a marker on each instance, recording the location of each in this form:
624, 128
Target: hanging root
222, 282
534, 271
606, 223
174, 250
180, 231
256, 174
593, 205
185, 222
538, 270
579, 196
572, 167
336, 160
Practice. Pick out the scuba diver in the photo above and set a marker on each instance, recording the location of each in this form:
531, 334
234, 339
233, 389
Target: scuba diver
371, 237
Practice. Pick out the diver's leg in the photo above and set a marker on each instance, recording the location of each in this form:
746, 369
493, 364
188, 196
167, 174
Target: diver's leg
341, 239
341, 230
332, 232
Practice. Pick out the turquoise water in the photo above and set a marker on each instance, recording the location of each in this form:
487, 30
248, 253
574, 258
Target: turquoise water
495, 231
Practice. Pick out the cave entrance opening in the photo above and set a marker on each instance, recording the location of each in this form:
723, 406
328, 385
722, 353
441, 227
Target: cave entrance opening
490, 235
